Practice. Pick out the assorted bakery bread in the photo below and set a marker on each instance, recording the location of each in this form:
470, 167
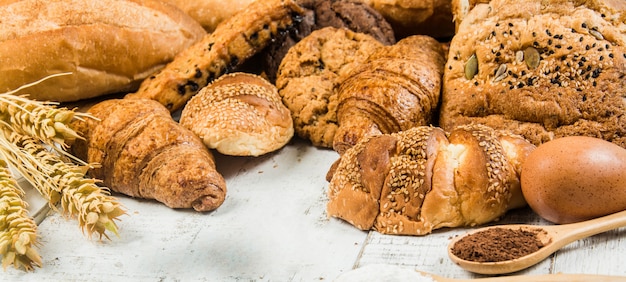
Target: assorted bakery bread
421, 179
540, 71
239, 114
395, 89
430, 133
105, 47
144, 153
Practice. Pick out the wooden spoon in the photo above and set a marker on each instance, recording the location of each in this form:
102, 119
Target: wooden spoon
385, 272
553, 238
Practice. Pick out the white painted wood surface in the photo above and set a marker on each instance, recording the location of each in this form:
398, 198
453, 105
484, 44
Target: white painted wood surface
272, 227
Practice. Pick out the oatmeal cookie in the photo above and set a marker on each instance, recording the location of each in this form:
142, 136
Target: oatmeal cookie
308, 76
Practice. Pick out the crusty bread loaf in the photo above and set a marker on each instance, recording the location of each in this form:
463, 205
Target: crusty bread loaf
541, 71
421, 179
411, 17
239, 114
210, 13
144, 153
460, 8
108, 45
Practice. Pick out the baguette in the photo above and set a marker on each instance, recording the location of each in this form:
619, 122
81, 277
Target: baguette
108, 46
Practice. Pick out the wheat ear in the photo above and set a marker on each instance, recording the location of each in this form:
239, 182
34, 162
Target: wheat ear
53, 176
44, 121
18, 231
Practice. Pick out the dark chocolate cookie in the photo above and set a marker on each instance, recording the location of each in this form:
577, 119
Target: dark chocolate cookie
349, 14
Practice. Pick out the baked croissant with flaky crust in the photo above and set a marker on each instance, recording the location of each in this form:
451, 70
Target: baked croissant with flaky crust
396, 88
144, 153
422, 179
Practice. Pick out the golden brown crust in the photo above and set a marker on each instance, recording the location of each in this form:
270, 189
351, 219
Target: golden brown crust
239, 114
411, 17
396, 88
421, 179
210, 13
543, 71
108, 46
232, 43
144, 153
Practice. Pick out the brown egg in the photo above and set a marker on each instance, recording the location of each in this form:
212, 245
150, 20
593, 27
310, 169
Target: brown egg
576, 178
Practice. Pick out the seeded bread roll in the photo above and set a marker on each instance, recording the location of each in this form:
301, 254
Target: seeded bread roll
422, 179
239, 114
540, 71
108, 46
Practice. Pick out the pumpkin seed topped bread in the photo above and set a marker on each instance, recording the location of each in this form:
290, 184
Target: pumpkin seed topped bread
541, 71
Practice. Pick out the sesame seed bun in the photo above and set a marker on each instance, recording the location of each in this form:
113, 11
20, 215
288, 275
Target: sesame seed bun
239, 114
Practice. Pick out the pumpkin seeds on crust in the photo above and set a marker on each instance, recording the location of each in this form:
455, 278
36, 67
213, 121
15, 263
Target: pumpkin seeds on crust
531, 57
471, 67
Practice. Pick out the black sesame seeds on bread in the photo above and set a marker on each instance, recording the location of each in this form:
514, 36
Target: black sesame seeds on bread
541, 71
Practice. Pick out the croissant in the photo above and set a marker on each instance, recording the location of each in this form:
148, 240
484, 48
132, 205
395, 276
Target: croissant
423, 178
396, 88
144, 153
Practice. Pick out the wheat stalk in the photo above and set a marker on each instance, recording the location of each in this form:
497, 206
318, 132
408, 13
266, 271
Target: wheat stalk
58, 179
44, 121
18, 235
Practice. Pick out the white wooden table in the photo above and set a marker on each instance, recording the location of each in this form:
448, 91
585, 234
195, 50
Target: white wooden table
272, 227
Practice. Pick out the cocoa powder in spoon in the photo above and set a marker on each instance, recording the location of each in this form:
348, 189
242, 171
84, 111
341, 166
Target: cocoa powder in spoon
498, 244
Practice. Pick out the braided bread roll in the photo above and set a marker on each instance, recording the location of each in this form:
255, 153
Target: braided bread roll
396, 88
239, 114
144, 153
421, 179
